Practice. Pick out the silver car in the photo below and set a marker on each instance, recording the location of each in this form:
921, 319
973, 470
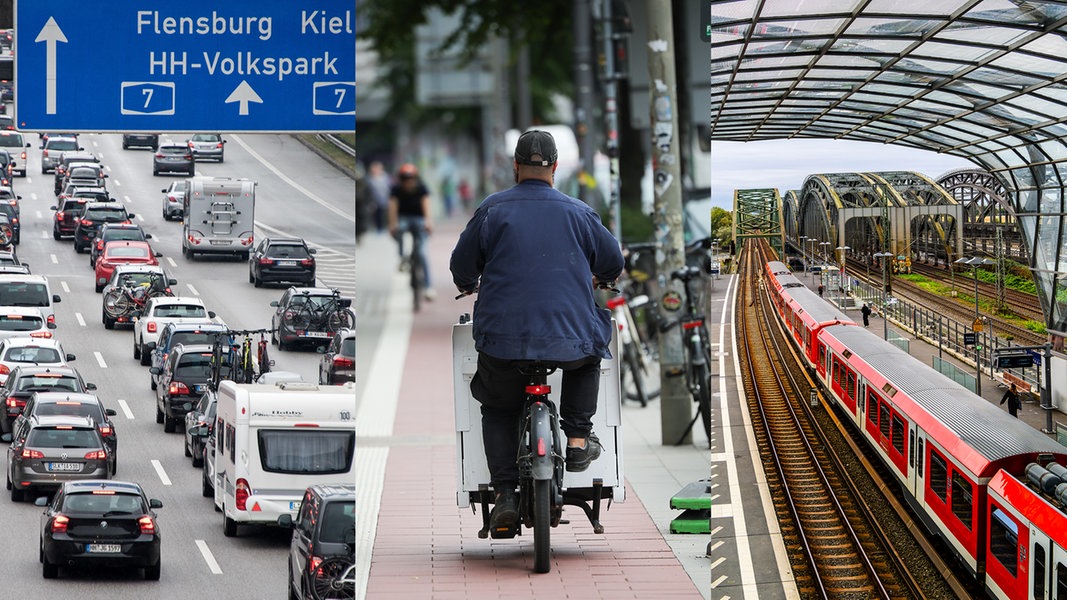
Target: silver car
206, 146
53, 150
47, 451
23, 321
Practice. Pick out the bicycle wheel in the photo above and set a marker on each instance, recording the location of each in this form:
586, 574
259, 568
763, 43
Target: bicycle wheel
338, 320
263, 358
299, 319
702, 396
417, 279
330, 582
632, 364
542, 511
116, 303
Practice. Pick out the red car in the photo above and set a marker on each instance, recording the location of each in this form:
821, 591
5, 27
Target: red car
122, 252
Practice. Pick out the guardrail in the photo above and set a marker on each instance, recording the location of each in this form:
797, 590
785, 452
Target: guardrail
333, 139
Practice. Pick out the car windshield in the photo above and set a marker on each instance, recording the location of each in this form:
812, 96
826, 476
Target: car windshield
33, 354
106, 214
45, 383
16, 293
20, 322
205, 137
287, 251
179, 186
94, 196
173, 150
11, 141
126, 252
47, 437
192, 337
135, 279
348, 347
196, 366
304, 451
123, 234
62, 145
84, 173
74, 409
8, 259
179, 310
114, 503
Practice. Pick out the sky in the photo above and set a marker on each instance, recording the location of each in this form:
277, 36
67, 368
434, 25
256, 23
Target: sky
785, 164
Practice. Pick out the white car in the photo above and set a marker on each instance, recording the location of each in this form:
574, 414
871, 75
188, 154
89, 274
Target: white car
23, 321
26, 350
158, 312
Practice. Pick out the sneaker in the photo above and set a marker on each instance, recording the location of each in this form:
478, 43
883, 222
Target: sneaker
404, 265
429, 294
578, 459
504, 520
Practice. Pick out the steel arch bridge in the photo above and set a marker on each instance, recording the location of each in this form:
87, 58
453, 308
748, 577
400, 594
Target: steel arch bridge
988, 210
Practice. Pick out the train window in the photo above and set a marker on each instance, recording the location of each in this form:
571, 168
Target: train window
911, 446
961, 500
922, 457
938, 475
1004, 541
1039, 571
822, 354
872, 409
1061, 582
898, 435
847, 353
883, 420
851, 390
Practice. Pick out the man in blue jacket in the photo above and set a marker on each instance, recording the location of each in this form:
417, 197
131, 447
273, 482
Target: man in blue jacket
535, 254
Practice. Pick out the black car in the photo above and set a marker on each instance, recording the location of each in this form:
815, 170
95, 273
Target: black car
10, 209
202, 415
282, 260
143, 140
95, 215
76, 405
82, 174
7, 168
306, 314
324, 527
25, 380
69, 158
172, 158
338, 363
110, 232
100, 523
183, 379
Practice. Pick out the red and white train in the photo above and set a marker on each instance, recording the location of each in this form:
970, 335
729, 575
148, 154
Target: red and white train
990, 485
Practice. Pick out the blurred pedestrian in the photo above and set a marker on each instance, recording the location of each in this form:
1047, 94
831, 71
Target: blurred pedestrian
448, 194
378, 180
1012, 398
409, 211
466, 194
820, 290
866, 312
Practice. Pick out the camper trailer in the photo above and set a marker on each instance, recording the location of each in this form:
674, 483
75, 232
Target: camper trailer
219, 217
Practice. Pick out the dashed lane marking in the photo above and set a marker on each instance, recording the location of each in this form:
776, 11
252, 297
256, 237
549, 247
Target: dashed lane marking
66, 288
159, 471
125, 409
79, 318
192, 290
171, 261
55, 260
100, 360
209, 558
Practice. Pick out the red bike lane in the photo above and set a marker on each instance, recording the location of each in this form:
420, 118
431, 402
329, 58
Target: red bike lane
428, 547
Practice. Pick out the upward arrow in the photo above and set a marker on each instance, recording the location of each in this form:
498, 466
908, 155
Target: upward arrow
50, 34
243, 94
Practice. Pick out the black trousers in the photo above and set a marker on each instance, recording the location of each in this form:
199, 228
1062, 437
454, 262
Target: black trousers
501, 388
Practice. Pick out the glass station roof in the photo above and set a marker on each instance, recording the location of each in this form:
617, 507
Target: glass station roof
981, 79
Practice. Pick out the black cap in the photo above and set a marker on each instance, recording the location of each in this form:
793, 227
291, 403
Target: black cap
539, 143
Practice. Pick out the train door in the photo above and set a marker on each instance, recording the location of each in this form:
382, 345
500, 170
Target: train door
1041, 587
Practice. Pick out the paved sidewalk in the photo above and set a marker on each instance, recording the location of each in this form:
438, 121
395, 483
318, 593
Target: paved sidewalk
425, 546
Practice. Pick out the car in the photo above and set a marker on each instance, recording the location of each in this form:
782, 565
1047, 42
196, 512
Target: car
22, 321
122, 252
28, 291
100, 523
13, 142
7, 122
47, 451
10, 209
7, 167
35, 351
172, 334
183, 379
140, 140
338, 363
95, 215
70, 158
287, 331
171, 158
52, 151
160, 311
82, 174
110, 232
202, 415
206, 145
134, 275
75, 405
89, 194
173, 199
281, 260
24, 380
325, 526
68, 213
9, 259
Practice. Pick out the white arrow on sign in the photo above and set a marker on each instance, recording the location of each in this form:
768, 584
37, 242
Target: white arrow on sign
243, 94
50, 33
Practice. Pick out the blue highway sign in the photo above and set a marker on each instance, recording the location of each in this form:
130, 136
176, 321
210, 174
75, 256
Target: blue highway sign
198, 65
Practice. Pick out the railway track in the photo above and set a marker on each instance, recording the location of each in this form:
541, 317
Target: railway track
836, 545
1020, 303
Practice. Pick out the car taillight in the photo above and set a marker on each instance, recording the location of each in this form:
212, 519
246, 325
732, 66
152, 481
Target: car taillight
59, 524
308, 262
152, 327
44, 153
14, 403
27, 453
188, 157
190, 144
315, 562
23, 155
159, 155
60, 215
96, 455
52, 319
218, 145
86, 222
99, 244
266, 261
148, 526
4, 370
241, 494
342, 362
178, 387
106, 431
41, 334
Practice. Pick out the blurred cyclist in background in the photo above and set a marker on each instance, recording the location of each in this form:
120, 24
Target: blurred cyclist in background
409, 211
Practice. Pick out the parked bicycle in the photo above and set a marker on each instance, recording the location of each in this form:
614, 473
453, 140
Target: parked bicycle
129, 298
696, 346
636, 362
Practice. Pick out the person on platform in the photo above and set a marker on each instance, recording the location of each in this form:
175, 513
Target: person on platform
1012, 398
866, 312
820, 290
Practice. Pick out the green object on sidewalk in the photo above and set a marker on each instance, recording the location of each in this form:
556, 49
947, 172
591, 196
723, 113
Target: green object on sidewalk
696, 495
692, 521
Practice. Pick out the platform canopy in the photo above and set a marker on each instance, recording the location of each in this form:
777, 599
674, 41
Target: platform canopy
979, 79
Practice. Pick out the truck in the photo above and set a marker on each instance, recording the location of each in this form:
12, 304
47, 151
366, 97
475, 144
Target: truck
272, 442
219, 216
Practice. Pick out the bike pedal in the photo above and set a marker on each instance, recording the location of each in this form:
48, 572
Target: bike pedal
674, 372
503, 533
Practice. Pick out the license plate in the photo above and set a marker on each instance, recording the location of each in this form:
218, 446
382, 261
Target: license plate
286, 263
220, 242
64, 466
103, 548
316, 334
294, 506
198, 388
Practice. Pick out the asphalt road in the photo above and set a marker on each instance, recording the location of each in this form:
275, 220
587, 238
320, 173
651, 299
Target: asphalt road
298, 194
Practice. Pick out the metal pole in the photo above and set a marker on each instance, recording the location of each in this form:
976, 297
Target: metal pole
583, 90
977, 346
611, 116
1046, 392
676, 405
